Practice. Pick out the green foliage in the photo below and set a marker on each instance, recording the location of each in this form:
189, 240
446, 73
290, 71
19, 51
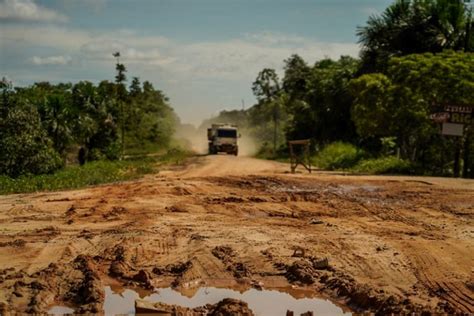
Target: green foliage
176, 155
399, 104
371, 112
413, 27
96, 113
150, 120
338, 155
266, 86
72, 177
384, 165
318, 102
25, 147
45, 124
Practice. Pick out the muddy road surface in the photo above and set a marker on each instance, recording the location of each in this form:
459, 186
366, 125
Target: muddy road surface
367, 243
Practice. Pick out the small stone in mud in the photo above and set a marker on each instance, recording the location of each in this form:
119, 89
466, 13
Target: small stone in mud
298, 252
381, 248
257, 285
320, 263
316, 221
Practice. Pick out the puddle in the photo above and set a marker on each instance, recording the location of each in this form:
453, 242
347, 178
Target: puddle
60, 310
266, 302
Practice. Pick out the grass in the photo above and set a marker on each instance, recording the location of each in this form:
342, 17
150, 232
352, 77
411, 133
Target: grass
344, 156
384, 165
92, 173
337, 156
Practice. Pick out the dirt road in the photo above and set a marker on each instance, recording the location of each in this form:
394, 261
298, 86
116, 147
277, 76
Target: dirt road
368, 243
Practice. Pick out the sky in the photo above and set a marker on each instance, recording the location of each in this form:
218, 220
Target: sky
203, 54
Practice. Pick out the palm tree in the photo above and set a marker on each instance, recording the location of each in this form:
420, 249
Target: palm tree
413, 26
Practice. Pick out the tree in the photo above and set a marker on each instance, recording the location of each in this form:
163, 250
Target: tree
26, 148
399, 103
266, 89
320, 102
296, 78
412, 27
95, 127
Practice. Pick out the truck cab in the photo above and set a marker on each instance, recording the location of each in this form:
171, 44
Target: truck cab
223, 138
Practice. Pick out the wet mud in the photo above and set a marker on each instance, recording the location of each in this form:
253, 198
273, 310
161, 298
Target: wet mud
370, 244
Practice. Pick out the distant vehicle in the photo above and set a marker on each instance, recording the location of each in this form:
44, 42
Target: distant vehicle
223, 138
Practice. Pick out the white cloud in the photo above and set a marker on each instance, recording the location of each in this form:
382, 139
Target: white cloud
234, 59
94, 6
45, 36
51, 60
101, 49
189, 71
244, 57
28, 10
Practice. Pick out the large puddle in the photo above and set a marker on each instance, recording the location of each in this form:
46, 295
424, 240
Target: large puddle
265, 302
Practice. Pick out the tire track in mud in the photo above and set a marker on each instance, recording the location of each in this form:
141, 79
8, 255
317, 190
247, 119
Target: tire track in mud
375, 235
439, 284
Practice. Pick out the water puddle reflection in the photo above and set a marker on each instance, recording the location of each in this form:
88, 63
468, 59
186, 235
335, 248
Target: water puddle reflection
60, 310
266, 302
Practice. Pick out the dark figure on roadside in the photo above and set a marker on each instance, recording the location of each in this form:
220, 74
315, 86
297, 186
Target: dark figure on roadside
81, 156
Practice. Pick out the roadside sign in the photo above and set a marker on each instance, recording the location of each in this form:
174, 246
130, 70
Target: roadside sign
458, 114
452, 129
440, 117
453, 118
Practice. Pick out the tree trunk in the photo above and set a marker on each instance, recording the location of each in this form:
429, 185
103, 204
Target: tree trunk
275, 129
457, 159
468, 166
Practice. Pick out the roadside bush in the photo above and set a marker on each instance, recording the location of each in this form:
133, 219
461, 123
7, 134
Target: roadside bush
175, 155
338, 155
25, 147
390, 164
72, 177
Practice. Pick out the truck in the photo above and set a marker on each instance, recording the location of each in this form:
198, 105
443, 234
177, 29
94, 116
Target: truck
223, 138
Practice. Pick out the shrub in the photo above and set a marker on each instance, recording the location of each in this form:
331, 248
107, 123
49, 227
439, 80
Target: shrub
338, 155
390, 164
25, 147
71, 177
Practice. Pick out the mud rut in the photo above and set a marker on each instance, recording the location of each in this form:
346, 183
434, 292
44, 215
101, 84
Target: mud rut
391, 244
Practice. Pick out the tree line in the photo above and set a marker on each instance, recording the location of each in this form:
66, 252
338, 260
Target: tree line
416, 56
44, 126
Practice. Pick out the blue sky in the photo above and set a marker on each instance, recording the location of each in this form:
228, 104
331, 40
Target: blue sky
204, 54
